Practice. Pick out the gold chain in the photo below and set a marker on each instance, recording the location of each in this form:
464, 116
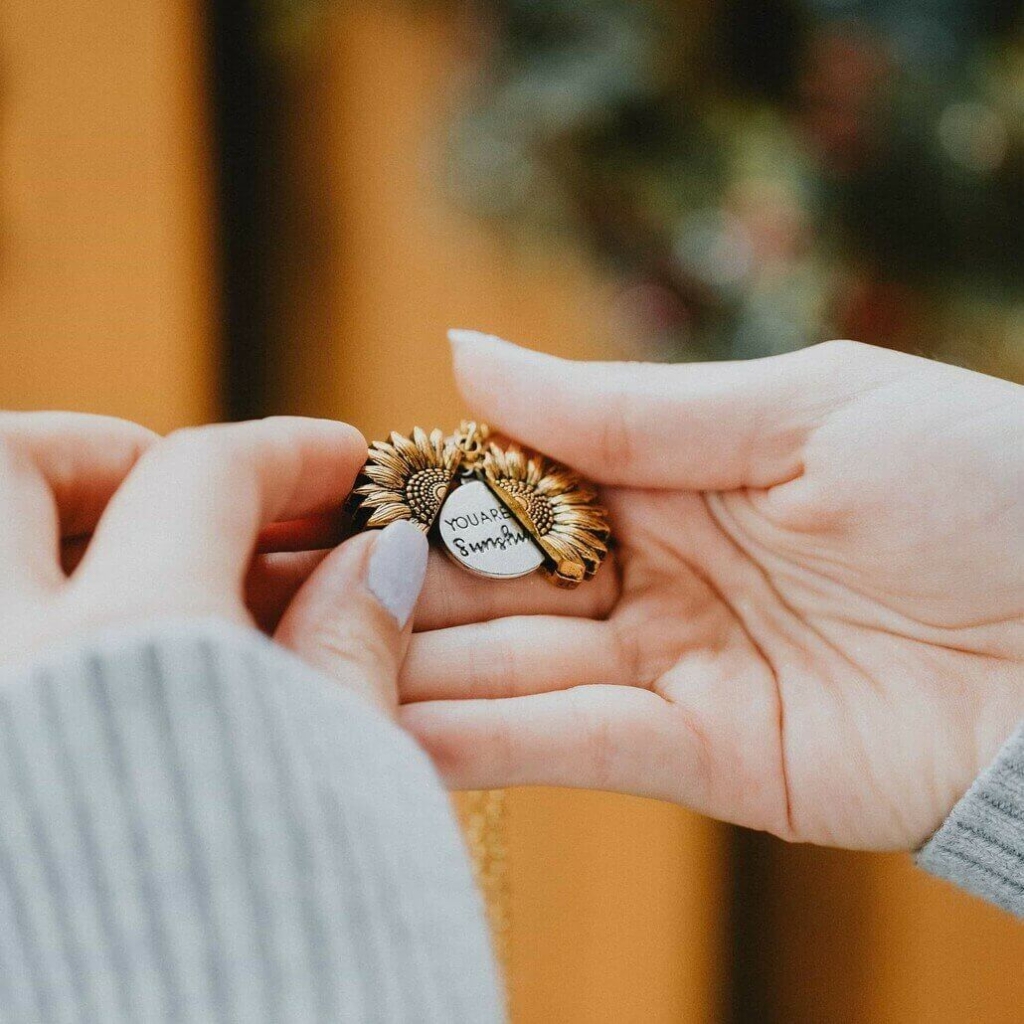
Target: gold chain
484, 812
470, 439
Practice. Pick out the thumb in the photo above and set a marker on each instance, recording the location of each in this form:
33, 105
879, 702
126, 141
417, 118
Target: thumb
352, 618
696, 426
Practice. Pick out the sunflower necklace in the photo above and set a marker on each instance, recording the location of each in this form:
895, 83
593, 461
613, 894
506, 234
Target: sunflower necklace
498, 511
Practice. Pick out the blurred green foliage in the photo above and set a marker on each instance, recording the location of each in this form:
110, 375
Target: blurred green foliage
761, 174
767, 173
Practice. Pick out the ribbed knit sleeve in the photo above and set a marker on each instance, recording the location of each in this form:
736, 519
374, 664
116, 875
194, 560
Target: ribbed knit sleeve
193, 826
980, 846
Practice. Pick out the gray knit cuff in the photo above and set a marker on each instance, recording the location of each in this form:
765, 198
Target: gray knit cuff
980, 846
194, 826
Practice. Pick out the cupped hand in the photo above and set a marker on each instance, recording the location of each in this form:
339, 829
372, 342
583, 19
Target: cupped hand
173, 526
814, 623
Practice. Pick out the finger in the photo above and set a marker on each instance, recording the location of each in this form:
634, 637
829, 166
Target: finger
599, 737
696, 426
286, 554
191, 512
313, 533
273, 581
57, 474
351, 618
453, 597
490, 659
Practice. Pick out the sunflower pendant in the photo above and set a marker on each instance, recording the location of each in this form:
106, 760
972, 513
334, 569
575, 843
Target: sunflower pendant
499, 512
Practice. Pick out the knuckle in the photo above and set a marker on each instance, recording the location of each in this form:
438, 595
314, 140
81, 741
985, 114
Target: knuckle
209, 446
839, 352
190, 447
279, 423
8, 423
338, 641
142, 437
699, 762
183, 439
207, 435
15, 460
50, 441
630, 653
617, 438
12, 439
502, 742
505, 668
92, 423
9, 449
600, 749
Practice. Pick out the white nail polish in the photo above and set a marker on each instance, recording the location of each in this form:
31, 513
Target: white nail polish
398, 564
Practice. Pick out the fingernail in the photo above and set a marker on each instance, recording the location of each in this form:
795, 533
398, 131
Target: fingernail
398, 564
461, 336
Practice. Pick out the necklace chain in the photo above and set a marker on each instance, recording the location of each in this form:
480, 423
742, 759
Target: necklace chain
470, 439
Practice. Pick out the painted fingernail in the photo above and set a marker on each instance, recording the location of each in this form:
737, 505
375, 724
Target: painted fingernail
398, 564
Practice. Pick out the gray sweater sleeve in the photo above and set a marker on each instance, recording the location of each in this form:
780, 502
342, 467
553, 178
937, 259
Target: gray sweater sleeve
193, 826
980, 846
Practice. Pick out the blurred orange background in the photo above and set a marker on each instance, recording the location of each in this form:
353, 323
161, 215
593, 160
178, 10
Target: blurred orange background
111, 300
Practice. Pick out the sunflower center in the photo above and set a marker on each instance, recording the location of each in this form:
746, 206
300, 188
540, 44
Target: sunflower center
535, 505
425, 490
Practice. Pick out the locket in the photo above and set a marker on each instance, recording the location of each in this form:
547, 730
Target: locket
498, 510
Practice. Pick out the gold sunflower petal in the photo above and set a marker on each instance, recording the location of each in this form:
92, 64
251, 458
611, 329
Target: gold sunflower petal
515, 463
563, 548
408, 450
590, 543
406, 477
593, 539
580, 517
389, 513
570, 499
494, 464
421, 440
385, 476
376, 496
582, 538
564, 483
390, 459
555, 501
437, 445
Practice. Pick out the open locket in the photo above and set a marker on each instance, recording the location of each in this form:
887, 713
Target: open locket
498, 511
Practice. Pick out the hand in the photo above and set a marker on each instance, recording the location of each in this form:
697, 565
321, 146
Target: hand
173, 527
815, 625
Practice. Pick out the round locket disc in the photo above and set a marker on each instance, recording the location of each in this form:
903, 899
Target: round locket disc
484, 537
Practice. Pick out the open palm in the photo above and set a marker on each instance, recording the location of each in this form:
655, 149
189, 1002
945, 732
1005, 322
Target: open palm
815, 620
